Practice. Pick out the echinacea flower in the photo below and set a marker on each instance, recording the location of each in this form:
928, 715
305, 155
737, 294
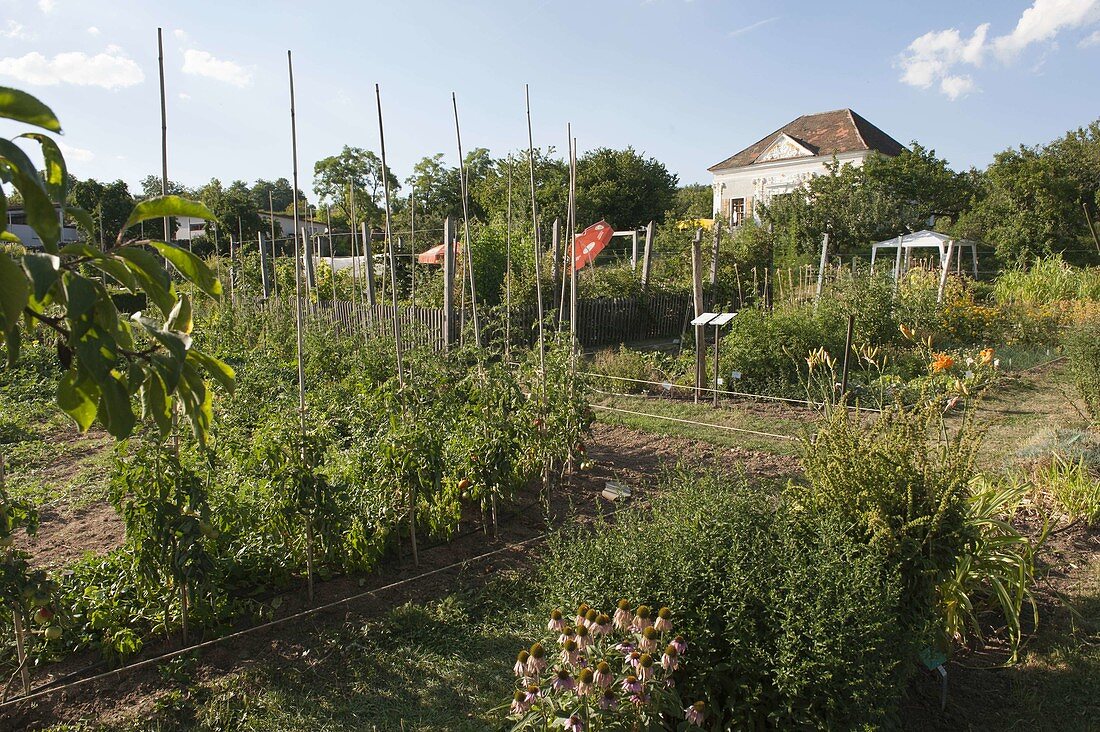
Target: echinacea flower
648, 641
557, 622
694, 713
639, 699
625, 648
645, 667
569, 653
536, 663
574, 724
664, 620
633, 658
670, 660
603, 676
602, 625
608, 700
623, 618
585, 679
581, 612
566, 634
590, 618
563, 681
520, 705
521, 663
642, 618
582, 637
680, 644
631, 685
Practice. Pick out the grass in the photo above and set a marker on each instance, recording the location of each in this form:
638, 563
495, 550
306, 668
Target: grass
740, 415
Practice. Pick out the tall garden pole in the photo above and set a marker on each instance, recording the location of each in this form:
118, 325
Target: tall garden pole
647, 253
535, 236
163, 130
469, 248
412, 247
697, 291
393, 262
448, 283
331, 255
714, 248
274, 277
368, 268
298, 234
508, 268
556, 277
821, 265
573, 253
265, 277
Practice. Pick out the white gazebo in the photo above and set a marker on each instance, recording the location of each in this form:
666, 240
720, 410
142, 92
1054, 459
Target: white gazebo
945, 245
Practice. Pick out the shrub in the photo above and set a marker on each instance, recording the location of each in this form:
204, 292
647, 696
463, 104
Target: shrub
1074, 487
792, 622
1083, 349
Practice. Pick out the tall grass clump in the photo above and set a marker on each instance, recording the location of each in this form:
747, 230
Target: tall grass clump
1047, 281
791, 621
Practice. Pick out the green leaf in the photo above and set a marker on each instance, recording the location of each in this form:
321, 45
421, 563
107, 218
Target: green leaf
118, 271
56, 173
82, 217
197, 402
23, 107
40, 211
19, 165
180, 319
161, 206
43, 272
151, 276
217, 368
191, 267
78, 398
176, 343
115, 410
14, 292
156, 404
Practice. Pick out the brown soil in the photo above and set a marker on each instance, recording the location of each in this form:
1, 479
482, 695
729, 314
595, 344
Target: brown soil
631, 457
62, 538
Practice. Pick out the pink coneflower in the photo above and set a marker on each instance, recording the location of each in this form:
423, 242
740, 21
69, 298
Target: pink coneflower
670, 661
582, 637
521, 663
603, 676
566, 634
633, 659
533, 693
624, 618
625, 648
557, 621
640, 699
563, 681
602, 626
648, 641
645, 667
569, 653
608, 700
536, 663
585, 679
680, 644
631, 685
520, 705
642, 619
574, 724
694, 713
663, 624
590, 618
581, 612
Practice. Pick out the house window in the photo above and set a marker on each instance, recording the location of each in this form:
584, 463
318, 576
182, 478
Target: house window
735, 211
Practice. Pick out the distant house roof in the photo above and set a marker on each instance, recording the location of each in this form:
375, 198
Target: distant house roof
826, 133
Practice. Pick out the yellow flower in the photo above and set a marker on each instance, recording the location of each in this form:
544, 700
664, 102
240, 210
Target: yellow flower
941, 362
986, 356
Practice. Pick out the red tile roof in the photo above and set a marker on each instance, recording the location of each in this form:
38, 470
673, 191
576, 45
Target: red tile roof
826, 133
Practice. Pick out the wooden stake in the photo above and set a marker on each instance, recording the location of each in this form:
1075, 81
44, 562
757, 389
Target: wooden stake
265, 277
715, 246
331, 255
647, 253
821, 265
469, 248
163, 132
448, 284
573, 344
274, 254
697, 292
535, 235
508, 269
393, 261
368, 266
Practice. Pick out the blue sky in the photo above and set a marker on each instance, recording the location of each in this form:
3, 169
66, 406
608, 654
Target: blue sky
686, 81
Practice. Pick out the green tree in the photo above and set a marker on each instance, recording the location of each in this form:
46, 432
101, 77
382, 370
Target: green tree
234, 210
278, 194
335, 176
694, 201
108, 204
622, 187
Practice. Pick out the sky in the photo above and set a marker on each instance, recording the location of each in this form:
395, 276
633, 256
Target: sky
689, 82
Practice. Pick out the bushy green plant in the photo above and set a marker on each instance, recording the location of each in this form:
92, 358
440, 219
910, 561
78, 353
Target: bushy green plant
1083, 349
793, 623
1074, 487
626, 369
1046, 281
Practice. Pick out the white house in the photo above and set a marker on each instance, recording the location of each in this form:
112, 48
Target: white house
17, 224
188, 228
790, 156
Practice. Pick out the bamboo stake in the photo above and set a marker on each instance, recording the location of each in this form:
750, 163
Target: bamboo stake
274, 277
466, 225
508, 268
163, 132
573, 253
331, 255
393, 264
535, 233
412, 248
298, 234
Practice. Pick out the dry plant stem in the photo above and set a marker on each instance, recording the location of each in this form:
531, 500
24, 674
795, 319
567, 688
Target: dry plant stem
309, 558
184, 611
21, 651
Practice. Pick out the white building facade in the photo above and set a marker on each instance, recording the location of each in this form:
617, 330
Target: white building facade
789, 157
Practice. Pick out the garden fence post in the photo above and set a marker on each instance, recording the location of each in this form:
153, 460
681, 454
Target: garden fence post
265, 278
717, 243
648, 254
821, 265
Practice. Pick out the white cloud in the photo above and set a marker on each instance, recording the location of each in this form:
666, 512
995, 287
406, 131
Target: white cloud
752, 27
109, 70
180, 34
47, 6
202, 63
184, 96
1090, 40
15, 31
78, 154
93, 31
932, 59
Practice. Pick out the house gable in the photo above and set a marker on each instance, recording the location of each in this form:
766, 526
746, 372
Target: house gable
784, 147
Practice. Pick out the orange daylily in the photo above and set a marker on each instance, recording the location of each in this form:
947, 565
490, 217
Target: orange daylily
986, 356
941, 362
